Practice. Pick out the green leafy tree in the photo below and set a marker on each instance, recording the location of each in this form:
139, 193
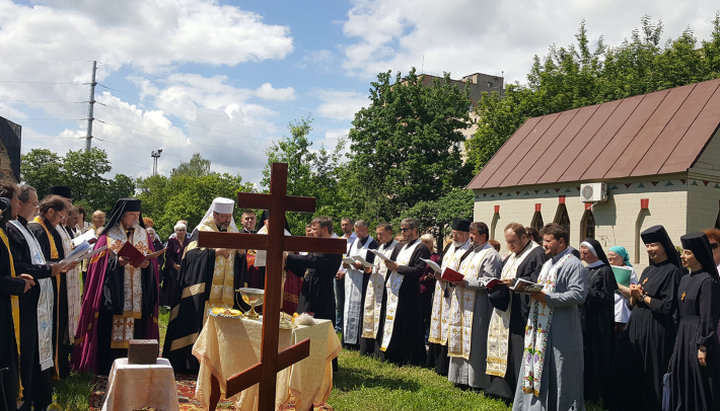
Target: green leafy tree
576, 76
310, 173
405, 145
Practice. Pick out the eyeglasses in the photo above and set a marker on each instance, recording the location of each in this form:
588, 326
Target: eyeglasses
714, 245
403, 229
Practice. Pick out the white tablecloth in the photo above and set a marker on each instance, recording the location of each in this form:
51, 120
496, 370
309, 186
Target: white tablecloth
134, 386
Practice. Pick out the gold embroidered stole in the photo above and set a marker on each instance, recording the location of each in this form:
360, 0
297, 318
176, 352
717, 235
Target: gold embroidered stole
442, 298
499, 329
374, 293
393, 294
353, 292
462, 306
123, 327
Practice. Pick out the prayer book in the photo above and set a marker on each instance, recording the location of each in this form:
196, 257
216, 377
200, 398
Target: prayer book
524, 286
136, 256
81, 252
622, 275
88, 236
348, 260
451, 275
362, 261
380, 255
489, 282
432, 265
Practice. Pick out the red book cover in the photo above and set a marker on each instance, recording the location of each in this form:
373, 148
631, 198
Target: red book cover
129, 251
451, 275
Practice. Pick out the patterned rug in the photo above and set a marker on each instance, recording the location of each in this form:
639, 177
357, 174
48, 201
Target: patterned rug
185, 391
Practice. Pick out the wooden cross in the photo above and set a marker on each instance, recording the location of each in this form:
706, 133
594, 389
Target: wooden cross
275, 242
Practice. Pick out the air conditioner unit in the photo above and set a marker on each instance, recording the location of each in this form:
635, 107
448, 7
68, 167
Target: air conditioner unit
593, 192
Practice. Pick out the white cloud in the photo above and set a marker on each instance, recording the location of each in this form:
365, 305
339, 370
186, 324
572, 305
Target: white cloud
466, 36
340, 105
268, 92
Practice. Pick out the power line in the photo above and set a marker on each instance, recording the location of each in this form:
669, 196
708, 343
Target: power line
43, 82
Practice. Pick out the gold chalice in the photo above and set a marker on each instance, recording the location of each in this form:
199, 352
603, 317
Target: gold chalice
252, 297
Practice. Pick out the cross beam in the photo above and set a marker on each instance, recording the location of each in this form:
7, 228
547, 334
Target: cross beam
275, 242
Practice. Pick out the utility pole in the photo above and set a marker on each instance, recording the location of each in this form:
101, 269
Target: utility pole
90, 119
155, 155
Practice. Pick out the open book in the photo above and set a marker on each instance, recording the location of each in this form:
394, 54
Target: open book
82, 251
380, 255
88, 236
348, 260
451, 275
524, 286
136, 256
432, 265
362, 261
489, 282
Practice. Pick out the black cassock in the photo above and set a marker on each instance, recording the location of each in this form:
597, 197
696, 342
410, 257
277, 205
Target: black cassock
651, 332
61, 338
36, 383
501, 297
695, 387
407, 345
318, 271
8, 353
598, 315
197, 267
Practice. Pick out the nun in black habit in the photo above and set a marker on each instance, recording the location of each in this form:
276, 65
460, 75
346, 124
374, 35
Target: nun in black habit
695, 362
651, 329
598, 320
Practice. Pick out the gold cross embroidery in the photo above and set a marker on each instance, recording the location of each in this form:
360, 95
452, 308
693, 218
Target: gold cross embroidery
682, 297
644, 281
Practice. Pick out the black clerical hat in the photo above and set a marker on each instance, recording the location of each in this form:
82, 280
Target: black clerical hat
62, 191
597, 249
121, 207
657, 234
461, 224
700, 246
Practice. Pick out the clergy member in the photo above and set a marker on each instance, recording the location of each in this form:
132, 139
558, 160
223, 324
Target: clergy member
12, 286
356, 282
71, 285
374, 292
53, 211
36, 306
507, 325
402, 339
598, 321
551, 377
439, 320
470, 311
121, 298
208, 278
318, 271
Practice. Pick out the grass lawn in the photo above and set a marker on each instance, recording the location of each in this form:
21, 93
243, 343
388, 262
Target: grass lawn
361, 384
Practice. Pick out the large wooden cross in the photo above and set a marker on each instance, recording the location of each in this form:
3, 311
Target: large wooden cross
275, 242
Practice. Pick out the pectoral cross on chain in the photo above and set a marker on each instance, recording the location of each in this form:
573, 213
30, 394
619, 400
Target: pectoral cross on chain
275, 242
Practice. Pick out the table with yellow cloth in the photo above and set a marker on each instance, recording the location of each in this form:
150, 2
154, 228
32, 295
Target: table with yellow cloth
229, 345
135, 386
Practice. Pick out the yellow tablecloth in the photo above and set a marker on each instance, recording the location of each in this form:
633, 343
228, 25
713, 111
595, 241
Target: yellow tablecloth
135, 386
227, 346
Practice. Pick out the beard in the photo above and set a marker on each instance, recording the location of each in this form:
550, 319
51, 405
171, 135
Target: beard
223, 227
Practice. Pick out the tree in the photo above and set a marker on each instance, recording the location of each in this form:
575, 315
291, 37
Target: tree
186, 194
577, 76
82, 171
436, 216
310, 173
405, 145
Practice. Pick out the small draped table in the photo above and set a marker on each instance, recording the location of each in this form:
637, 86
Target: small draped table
229, 345
135, 386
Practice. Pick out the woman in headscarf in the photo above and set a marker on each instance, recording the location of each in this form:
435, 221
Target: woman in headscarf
173, 258
651, 328
618, 257
695, 362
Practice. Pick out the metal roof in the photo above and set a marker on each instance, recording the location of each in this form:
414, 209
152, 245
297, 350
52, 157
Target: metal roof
658, 133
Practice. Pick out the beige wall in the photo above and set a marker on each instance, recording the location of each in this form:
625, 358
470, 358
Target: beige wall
616, 219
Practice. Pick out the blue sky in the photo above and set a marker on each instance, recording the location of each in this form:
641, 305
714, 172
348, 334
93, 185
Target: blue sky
224, 78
